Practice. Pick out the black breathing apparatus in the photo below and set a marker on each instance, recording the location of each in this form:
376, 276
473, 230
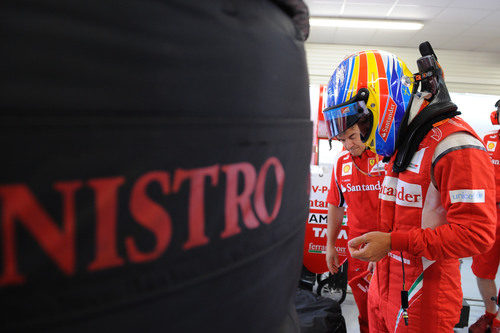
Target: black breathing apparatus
430, 78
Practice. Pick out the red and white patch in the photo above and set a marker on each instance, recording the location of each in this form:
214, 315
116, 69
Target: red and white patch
416, 161
344, 110
387, 119
436, 134
347, 169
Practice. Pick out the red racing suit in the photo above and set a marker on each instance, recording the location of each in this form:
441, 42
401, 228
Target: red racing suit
485, 265
441, 208
355, 183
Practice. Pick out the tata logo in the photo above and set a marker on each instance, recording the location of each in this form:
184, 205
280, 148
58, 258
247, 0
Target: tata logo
491, 145
387, 119
323, 232
401, 192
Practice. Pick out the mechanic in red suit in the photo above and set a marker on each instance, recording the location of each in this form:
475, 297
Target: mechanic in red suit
356, 179
485, 266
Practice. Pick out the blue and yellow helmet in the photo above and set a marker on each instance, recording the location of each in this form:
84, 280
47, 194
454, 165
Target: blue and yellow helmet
371, 89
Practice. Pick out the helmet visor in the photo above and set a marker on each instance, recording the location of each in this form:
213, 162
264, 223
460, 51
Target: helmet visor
339, 118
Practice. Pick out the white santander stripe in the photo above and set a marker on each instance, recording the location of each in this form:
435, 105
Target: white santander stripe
388, 190
403, 193
409, 195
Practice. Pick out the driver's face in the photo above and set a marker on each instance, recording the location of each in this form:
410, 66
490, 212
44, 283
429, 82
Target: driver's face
351, 140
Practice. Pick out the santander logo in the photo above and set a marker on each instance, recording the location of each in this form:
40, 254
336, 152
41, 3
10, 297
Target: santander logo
401, 192
386, 122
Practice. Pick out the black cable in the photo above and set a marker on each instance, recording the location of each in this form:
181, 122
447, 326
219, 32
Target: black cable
404, 293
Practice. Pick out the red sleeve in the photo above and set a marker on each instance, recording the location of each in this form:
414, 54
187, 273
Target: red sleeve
466, 183
335, 196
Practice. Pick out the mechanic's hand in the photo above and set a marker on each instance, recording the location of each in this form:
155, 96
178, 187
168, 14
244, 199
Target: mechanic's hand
332, 259
371, 246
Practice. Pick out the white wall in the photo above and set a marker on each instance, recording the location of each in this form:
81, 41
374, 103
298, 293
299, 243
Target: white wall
465, 72
476, 110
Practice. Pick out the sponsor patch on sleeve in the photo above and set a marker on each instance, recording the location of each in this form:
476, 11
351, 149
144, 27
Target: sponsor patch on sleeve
468, 196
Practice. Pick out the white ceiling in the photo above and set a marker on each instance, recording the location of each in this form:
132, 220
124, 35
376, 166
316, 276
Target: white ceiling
464, 25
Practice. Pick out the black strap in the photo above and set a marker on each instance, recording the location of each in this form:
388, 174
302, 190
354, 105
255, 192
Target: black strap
418, 129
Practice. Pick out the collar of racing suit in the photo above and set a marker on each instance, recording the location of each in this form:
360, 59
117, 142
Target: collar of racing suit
422, 115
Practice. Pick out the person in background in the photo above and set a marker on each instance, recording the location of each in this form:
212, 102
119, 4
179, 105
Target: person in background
356, 179
485, 266
438, 195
